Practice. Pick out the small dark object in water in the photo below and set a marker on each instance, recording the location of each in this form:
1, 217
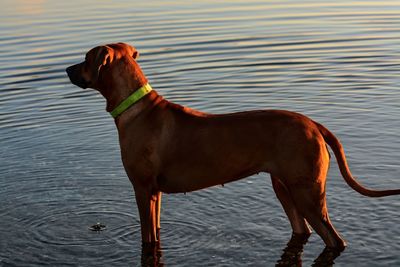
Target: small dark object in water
97, 227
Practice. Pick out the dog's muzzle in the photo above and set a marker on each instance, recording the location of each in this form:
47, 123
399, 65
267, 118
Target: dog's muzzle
75, 76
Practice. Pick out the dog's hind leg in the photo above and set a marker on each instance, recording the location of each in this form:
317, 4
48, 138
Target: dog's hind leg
297, 221
301, 232
310, 201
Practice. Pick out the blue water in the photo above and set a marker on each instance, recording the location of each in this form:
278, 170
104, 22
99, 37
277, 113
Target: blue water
60, 170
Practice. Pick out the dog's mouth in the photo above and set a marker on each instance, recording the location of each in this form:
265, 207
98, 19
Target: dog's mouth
75, 77
80, 83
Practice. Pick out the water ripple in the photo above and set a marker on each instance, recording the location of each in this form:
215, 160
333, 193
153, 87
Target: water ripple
60, 164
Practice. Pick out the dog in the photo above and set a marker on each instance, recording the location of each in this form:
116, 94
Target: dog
169, 148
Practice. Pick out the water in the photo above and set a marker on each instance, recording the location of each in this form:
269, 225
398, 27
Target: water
60, 169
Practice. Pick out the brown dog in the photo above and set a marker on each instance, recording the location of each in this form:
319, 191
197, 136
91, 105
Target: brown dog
169, 148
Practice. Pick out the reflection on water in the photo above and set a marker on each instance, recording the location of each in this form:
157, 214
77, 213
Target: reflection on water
291, 257
293, 251
152, 255
60, 168
29, 7
326, 258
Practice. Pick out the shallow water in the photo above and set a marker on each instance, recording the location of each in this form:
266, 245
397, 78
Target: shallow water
60, 169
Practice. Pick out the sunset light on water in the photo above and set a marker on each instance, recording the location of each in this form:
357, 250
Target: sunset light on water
61, 172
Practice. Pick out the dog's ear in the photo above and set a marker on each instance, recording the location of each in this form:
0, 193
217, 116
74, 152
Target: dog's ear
100, 56
130, 49
134, 53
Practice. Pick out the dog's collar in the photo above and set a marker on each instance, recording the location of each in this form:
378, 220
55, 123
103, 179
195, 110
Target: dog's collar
132, 99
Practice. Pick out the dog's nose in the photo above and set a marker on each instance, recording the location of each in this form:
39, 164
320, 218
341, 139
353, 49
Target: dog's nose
69, 70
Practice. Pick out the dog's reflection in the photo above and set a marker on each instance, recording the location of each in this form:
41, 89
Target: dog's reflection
292, 253
152, 254
294, 249
327, 257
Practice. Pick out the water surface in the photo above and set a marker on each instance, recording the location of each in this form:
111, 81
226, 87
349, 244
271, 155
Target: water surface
60, 169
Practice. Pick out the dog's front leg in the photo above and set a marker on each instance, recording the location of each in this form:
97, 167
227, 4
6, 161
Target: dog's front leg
158, 214
146, 201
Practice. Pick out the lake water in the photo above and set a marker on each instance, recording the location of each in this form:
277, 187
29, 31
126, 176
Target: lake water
60, 170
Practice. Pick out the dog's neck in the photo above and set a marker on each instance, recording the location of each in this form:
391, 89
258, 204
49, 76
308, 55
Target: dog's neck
131, 100
149, 101
116, 85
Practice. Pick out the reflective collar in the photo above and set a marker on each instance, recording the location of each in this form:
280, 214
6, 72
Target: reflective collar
132, 99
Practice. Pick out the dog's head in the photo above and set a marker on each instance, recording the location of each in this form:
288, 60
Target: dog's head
90, 74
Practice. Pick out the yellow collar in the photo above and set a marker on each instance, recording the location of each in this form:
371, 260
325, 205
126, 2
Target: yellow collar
132, 99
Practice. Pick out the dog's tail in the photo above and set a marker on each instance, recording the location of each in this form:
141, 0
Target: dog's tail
337, 148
